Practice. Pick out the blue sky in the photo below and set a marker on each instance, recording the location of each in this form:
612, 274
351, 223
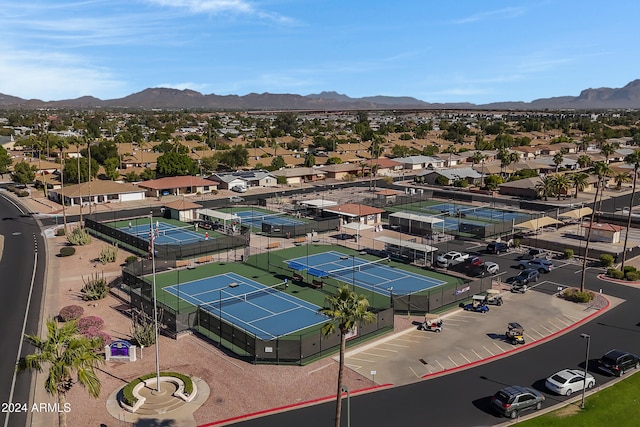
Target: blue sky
478, 51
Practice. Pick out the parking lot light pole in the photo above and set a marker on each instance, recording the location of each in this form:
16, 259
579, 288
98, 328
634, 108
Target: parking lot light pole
586, 365
346, 390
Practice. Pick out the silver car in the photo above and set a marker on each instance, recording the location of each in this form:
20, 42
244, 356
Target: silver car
569, 381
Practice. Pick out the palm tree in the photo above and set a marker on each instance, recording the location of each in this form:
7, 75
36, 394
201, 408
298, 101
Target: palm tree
580, 181
546, 187
348, 309
631, 159
477, 158
558, 159
584, 161
562, 184
601, 170
65, 352
61, 144
620, 178
607, 150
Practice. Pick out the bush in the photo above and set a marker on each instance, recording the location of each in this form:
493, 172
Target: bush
568, 253
629, 269
575, 295
70, 312
94, 288
606, 260
67, 251
23, 193
88, 323
130, 259
109, 254
127, 391
615, 274
79, 237
60, 231
632, 276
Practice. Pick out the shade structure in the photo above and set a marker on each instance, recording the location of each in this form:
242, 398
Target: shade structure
576, 213
535, 224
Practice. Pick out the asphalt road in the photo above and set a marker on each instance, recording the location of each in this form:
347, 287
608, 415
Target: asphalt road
22, 269
463, 398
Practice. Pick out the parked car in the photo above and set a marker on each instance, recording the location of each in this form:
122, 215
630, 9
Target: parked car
490, 267
236, 199
569, 381
239, 188
512, 400
344, 236
534, 253
524, 277
542, 265
483, 269
617, 362
451, 258
497, 247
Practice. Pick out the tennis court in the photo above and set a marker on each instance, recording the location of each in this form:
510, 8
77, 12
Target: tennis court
376, 276
255, 219
258, 309
477, 212
164, 234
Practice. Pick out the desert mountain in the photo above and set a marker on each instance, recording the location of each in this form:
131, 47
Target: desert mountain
627, 97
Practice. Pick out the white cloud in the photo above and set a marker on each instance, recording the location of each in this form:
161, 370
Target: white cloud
506, 13
207, 6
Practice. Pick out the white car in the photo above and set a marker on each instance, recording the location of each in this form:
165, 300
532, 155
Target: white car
451, 258
569, 381
491, 267
239, 189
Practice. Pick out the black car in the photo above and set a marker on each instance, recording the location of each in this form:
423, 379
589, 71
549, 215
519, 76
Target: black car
497, 247
617, 362
344, 236
510, 401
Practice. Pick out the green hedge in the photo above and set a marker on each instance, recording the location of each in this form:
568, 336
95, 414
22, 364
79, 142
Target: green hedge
574, 294
127, 391
615, 273
67, 251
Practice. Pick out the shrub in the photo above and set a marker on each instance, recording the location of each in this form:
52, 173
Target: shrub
629, 268
23, 193
615, 273
60, 231
606, 260
94, 288
67, 251
130, 259
127, 391
517, 242
70, 312
632, 276
109, 254
79, 236
143, 330
568, 253
575, 295
90, 323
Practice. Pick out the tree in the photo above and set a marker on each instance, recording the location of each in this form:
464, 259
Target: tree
561, 184
558, 158
631, 159
607, 150
66, 354
580, 181
23, 173
546, 187
584, 161
176, 164
111, 168
347, 309
492, 182
278, 163
61, 144
620, 178
5, 161
309, 160
70, 170
333, 161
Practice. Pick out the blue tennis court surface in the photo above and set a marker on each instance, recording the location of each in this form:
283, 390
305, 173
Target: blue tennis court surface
378, 277
166, 234
258, 309
255, 219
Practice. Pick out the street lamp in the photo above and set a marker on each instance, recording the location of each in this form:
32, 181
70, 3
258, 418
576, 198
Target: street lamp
346, 390
230, 285
155, 299
586, 365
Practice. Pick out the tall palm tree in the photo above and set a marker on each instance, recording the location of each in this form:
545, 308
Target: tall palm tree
580, 180
64, 352
562, 184
476, 158
607, 150
558, 158
631, 159
601, 170
348, 309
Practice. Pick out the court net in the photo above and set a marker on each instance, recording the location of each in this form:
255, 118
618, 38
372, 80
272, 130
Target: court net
363, 266
175, 230
263, 218
240, 298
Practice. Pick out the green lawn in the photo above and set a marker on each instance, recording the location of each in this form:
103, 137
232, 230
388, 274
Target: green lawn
614, 406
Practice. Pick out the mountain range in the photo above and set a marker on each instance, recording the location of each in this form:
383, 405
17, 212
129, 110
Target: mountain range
627, 97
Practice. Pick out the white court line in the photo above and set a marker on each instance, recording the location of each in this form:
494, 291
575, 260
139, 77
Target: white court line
454, 363
488, 351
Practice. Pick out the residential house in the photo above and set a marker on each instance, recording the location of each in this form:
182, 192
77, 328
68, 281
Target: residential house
352, 212
451, 175
96, 192
420, 162
298, 176
524, 188
178, 185
343, 170
252, 178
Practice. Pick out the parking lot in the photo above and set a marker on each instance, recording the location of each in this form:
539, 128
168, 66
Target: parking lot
467, 337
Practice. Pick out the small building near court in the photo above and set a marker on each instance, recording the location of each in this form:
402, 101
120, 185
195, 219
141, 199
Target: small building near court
609, 233
182, 210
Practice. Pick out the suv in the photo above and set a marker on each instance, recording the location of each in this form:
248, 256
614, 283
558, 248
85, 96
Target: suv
511, 400
617, 362
497, 247
542, 265
236, 199
534, 253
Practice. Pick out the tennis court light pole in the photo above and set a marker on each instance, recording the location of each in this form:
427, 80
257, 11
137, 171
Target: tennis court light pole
230, 285
155, 301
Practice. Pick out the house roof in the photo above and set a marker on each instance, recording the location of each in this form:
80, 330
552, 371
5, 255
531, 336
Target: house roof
342, 167
604, 227
177, 182
384, 162
522, 183
100, 187
250, 175
291, 172
353, 209
182, 205
454, 173
416, 160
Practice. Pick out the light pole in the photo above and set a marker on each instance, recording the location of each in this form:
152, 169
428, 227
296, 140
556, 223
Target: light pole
155, 300
586, 365
346, 390
230, 285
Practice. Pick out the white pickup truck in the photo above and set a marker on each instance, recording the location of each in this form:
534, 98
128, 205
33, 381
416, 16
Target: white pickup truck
451, 258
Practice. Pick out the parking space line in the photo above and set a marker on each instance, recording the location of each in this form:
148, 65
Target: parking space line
572, 319
476, 353
564, 322
396, 345
374, 354
554, 325
488, 351
542, 335
544, 327
362, 360
386, 349
499, 348
354, 367
465, 358
441, 367
454, 363
529, 337
414, 372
